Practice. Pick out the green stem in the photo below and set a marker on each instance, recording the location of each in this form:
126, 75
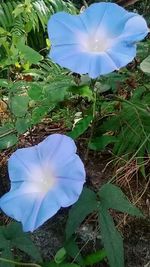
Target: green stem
93, 114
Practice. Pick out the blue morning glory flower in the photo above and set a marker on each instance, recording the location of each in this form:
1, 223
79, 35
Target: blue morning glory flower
96, 42
44, 178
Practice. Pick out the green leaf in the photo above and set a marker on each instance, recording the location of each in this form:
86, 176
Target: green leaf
4, 83
53, 264
83, 90
112, 197
86, 204
73, 251
19, 105
39, 112
111, 238
7, 136
35, 92
95, 257
7, 254
12, 236
22, 125
99, 143
69, 265
29, 54
81, 127
25, 244
145, 65
60, 255
8, 141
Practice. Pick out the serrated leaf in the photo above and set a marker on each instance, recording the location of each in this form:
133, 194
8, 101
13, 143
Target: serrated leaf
99, 143
112, 197
81, 127
19, 105
111, 238
86, 204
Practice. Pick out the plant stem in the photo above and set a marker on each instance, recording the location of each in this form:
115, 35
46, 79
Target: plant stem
93, 82
20, 263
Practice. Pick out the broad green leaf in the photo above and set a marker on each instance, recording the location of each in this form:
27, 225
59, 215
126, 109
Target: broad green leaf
39, 112
60, 255
19, 105
8, 141
83, 90
16, 238
80, 127
35, 92
99, 143
69, 265
145, 65
86, 204
57, 90
53, 264
7, 136
4, 83
95, 257
22, 125
73, 251
29, 54
7, 254
111, 238
112, 197
25, 244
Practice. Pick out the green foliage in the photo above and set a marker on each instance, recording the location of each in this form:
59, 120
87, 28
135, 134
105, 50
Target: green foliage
29, 19
95, 257
145, 65
108, 197
111, 197
86, 204
29, 103
12, 237
111, 238
81, 127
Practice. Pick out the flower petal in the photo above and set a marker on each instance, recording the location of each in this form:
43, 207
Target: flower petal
21, 162
57, 149
64, 28
135, 30
40, 192
122, 53
26, 206
101, 64
105, 17
71, 57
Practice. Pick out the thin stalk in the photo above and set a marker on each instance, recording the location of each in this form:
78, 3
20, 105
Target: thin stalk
20, 263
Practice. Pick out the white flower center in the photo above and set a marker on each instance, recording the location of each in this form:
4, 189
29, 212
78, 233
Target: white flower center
97, 45
43, 179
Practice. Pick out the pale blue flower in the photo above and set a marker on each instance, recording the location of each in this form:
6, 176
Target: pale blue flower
44, 178
96, 42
